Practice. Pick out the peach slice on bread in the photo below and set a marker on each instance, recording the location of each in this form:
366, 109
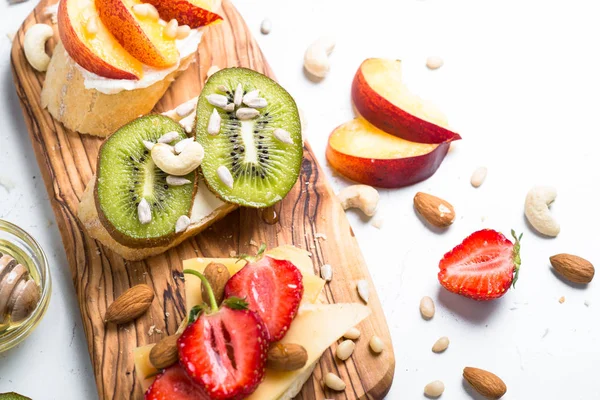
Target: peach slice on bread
382, 98
194, 13
142, 36
91, 45
366, 154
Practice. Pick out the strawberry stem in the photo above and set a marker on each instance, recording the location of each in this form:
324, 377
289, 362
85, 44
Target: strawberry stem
211, 296
516, 256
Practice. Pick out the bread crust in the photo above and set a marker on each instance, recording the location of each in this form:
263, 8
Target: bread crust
88, 215
90, 111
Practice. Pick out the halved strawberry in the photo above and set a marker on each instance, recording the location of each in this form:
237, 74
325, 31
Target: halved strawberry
174, 383
273, 288
225, 349
483, 266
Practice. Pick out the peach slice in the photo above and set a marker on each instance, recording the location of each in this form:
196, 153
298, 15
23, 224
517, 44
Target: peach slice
381, 97
143, 37
366, 154
91, 45
195, 13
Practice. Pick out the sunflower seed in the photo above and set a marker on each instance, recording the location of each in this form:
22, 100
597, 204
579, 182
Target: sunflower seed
179, 146
246, 113
214, 123
327, 272
225, 176
283, 136
184, 109
258, 102
239, 94
250, 95
363, 290
144, 212
148, 145
182, 223
217, 100
177, 180
229, 107
168, 137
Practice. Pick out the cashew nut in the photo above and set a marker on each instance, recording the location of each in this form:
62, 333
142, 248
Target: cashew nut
34, 45
177, 164
316, 58
536, 209
362, 197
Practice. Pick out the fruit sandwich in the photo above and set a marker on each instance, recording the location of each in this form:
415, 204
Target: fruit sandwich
281, 330
155, 186
116, 58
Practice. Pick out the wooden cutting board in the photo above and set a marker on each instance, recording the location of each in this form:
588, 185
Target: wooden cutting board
68, 161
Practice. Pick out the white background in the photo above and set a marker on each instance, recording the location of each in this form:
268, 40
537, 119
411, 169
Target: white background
520, 84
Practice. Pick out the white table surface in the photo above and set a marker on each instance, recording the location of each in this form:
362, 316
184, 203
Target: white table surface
520, 84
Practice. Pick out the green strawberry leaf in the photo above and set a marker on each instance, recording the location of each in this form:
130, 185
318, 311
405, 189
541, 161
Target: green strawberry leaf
236, 303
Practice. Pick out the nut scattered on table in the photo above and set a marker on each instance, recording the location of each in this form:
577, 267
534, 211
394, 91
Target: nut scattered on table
441, 345
434, 62
484, 382
345, 349
363, 197
437, 212
334, 382
352, 333
132, 304
573, 268
434, 389
376, 344
165, 352
537, 212
427, 307
217, 275
478, 176
286, 357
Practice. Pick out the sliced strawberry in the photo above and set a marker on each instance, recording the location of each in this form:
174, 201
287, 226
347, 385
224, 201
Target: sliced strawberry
174, 383
225, 352
273, 288
482, 267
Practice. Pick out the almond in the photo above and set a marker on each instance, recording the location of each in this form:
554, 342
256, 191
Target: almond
573, 268
484, 382
436, 211
130, 305
217, 275
286, 357
165, 353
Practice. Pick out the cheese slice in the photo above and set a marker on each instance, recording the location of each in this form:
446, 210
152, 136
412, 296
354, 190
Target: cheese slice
316, 327
313, 285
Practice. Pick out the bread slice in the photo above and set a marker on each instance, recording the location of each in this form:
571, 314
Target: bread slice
90, 111
88, 215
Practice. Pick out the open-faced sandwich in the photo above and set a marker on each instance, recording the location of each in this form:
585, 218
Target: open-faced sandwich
116, 58
255, 330
155, 186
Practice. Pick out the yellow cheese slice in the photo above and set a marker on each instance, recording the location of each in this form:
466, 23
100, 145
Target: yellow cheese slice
313, 285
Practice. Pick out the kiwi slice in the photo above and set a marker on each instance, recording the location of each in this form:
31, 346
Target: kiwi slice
253, 157
126, 175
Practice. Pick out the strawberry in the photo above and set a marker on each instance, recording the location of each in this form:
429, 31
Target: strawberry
174, 383
224, 349
273, 288
483, 266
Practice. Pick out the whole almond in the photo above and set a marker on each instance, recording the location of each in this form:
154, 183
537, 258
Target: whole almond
484, 382
573, 268
165, 353
286, 357
217, 275
436, 211
130, 305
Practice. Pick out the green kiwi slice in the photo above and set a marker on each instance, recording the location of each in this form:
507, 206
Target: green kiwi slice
253, 156
126, 174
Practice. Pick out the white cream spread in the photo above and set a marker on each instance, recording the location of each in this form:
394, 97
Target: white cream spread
205, 204
186, 47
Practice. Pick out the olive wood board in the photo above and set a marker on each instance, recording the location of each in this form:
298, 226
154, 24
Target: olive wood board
310, 217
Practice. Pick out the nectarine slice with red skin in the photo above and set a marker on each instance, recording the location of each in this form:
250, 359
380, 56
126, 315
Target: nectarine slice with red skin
99, 52
142, 37
194, 13
366, 154
382, 99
